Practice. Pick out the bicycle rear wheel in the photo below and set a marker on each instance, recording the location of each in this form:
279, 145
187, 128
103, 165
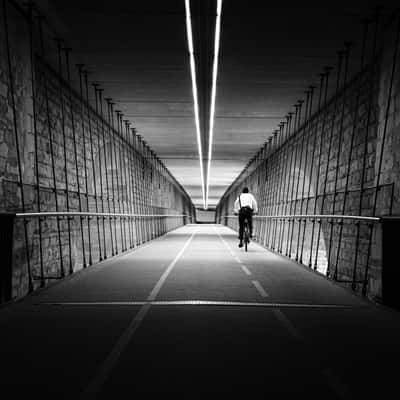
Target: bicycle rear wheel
246, 235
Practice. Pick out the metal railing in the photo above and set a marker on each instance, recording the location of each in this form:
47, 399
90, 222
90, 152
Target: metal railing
338, 246
92, 214
59, 249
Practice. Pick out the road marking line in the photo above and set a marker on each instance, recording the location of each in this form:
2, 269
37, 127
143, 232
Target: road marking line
245, 269
110, 362
232, 253
113, 357
339, 388
197, 303
153, 294
281, 317
336, 385
260, 289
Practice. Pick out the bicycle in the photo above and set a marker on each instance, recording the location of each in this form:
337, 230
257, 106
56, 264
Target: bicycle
246, 234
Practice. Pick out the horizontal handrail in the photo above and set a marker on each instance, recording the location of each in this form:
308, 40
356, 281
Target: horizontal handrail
317, 216
92, 214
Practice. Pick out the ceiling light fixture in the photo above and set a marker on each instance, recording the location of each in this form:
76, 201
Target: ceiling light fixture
213, 94
195, 96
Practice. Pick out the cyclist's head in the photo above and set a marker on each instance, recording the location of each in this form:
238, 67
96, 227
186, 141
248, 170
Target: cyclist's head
245, 190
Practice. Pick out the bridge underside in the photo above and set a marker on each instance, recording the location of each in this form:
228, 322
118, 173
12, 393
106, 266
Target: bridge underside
172, 319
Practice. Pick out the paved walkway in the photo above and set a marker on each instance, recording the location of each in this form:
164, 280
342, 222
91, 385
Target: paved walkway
191, 315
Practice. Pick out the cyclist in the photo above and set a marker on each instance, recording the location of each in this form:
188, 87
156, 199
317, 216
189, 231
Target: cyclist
245, 205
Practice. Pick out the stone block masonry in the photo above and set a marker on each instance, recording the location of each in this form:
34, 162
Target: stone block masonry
340, 158
60, 152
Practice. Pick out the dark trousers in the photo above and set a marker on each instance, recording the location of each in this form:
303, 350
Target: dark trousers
244, 213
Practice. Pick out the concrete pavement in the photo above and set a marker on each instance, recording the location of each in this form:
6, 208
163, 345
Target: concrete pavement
193, 316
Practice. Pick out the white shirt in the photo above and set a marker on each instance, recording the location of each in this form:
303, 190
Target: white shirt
246, 200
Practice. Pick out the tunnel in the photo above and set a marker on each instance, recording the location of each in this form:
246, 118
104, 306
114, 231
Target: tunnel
199, 199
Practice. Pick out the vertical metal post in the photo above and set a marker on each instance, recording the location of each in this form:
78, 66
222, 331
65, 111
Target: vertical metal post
277, 159
129, 181
110, 135
273, 155
125, 170
365, 149
289, 196
314, 146
141, 188
146, 191
135, 185
273, 197
288, 167
120, 183
271, 205
62, 106
338, 76
303, 190
106, 167
128, 173
304, 134
16, 135
100, 130
339, 152
115, 140
89, 117
123, 167
295, 192
282, 204
138, 221
280, 161
114, 175
36, 141
51, 145
80, 71
264, 190
352, 140
372, 78
327, 71
67, 51
267, 192
144, 188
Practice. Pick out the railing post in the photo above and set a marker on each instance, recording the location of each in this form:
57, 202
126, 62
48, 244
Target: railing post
390, 270
6, 239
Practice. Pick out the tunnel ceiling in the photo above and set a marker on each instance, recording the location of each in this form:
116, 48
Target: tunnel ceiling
138, 52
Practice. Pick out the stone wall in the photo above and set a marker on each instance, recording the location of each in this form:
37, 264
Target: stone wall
329, 164
73, 156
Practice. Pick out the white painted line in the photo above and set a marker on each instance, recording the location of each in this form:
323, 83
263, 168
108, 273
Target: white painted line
111, 360
153, 294
237, 259
196, 303
281, 317
260, 289
331, 379
336, 385
94, 303
245, 269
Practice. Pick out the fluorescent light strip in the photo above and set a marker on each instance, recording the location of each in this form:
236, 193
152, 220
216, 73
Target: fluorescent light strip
213, 93
195, 96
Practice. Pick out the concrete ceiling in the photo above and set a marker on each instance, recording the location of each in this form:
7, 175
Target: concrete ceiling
268, 57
